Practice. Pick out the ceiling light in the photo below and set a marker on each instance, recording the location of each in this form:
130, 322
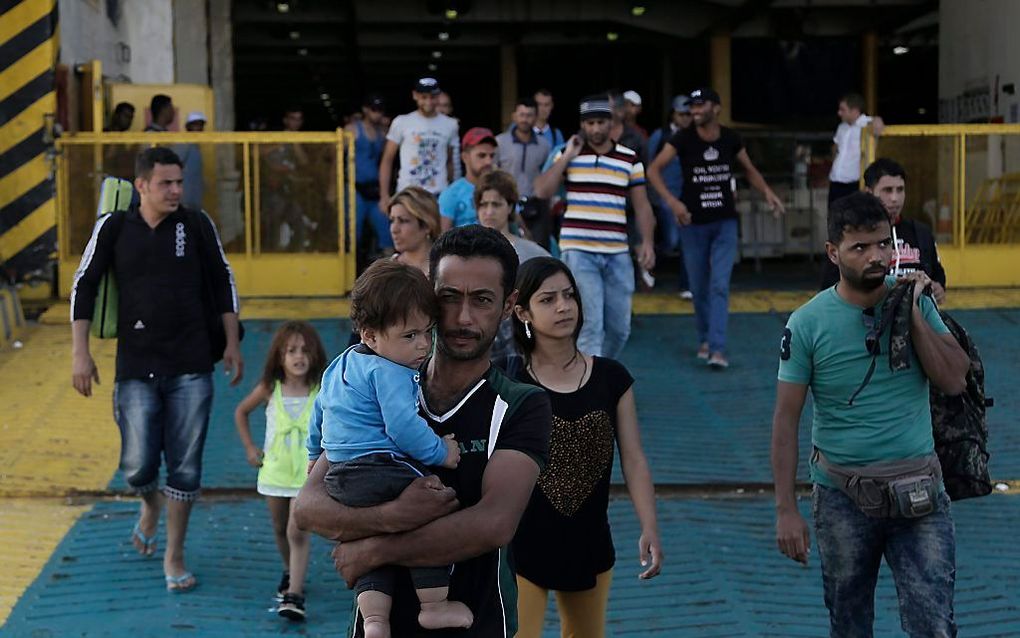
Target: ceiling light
922, 111
437, 54
444, 36
324, 96
326, 103
433, 67
283, 7
637, 10
302, 51
612, 36
451, 14
900, 50
294, 35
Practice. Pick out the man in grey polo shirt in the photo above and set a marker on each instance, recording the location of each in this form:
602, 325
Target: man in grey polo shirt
522, 152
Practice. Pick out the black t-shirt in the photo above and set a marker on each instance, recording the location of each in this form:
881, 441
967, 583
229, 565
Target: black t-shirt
517, 417
708, 170
563, 540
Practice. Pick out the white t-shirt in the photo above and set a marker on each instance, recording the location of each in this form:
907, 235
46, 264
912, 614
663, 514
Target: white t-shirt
846, 167
424, 147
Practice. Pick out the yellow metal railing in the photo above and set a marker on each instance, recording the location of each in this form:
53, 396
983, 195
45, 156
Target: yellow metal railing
963, 180
284, 202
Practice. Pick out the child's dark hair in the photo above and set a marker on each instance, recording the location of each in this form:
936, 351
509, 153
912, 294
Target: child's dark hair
532, 275
388, 292
857, 211
477, 241
274, 372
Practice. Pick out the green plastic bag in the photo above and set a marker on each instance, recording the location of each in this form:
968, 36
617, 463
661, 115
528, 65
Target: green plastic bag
114, 195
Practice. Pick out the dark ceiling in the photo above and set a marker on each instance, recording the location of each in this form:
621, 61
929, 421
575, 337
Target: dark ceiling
324, 55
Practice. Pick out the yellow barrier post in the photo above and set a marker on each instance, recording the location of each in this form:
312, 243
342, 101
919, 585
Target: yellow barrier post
352, 269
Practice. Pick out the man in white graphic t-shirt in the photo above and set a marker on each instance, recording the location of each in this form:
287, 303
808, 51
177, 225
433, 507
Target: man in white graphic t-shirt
424, 138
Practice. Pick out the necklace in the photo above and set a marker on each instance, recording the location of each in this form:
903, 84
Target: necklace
580, 382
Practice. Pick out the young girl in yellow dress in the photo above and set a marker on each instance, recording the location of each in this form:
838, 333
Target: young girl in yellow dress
289, 385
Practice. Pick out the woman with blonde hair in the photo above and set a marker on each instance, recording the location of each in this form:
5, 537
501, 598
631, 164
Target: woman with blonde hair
414, 225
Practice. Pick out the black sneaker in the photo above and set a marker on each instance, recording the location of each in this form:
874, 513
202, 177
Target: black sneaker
281, 589
292, 607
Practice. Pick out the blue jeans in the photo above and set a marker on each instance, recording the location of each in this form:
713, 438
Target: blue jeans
921, 552
606, 285
168, 416
670, 235
709, 251
380, 225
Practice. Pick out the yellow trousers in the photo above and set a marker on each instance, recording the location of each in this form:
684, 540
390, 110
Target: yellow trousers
582, 613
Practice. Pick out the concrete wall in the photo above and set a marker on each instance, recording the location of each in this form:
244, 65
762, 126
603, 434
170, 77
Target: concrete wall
138, 47
977, 46
191, 41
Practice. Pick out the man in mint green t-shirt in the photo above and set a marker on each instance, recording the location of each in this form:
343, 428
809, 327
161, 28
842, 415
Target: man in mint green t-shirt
861, 421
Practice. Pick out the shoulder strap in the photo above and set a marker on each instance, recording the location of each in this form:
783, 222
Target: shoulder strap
117, 219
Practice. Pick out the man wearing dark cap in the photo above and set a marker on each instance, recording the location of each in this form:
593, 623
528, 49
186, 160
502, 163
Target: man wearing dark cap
600, 175
369, 140
707, 213
424, 138
456, 203
669, 229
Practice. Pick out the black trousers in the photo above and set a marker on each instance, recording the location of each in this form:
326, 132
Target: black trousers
371, 480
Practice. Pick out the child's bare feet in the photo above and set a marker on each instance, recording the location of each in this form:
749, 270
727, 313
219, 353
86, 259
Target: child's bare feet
445, 614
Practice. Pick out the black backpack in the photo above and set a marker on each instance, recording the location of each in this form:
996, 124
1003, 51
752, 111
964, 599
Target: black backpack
960, 428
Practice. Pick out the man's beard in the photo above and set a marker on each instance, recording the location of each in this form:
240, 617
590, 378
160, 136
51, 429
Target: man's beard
477, 352
871, 278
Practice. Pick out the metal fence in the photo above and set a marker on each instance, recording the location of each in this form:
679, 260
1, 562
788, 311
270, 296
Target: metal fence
964, 181
283, 202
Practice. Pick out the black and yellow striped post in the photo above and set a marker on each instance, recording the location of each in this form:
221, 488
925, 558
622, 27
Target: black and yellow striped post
28, 54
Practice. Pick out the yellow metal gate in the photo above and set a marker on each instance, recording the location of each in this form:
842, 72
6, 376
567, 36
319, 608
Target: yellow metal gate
283, 202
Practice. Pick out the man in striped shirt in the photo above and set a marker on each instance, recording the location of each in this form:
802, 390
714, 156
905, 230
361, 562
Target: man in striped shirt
600, 174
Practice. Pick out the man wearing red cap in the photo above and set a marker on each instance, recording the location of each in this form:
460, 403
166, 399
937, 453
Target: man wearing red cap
456, 203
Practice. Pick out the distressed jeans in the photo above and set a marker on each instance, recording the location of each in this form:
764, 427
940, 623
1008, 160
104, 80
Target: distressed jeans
166, 416
921, 552
606, 285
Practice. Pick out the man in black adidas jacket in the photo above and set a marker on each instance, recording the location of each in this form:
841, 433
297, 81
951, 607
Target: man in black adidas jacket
174, 285
915, 244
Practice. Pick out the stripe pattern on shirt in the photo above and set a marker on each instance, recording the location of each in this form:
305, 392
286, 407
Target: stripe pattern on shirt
596, 216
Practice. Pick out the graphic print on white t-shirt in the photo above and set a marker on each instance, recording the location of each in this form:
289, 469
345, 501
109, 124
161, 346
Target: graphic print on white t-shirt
424, 148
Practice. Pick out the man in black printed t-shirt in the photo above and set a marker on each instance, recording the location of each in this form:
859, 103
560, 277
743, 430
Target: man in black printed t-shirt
503, 431
707, 214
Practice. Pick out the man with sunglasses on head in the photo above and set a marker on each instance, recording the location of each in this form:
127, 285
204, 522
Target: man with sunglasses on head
877, 484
